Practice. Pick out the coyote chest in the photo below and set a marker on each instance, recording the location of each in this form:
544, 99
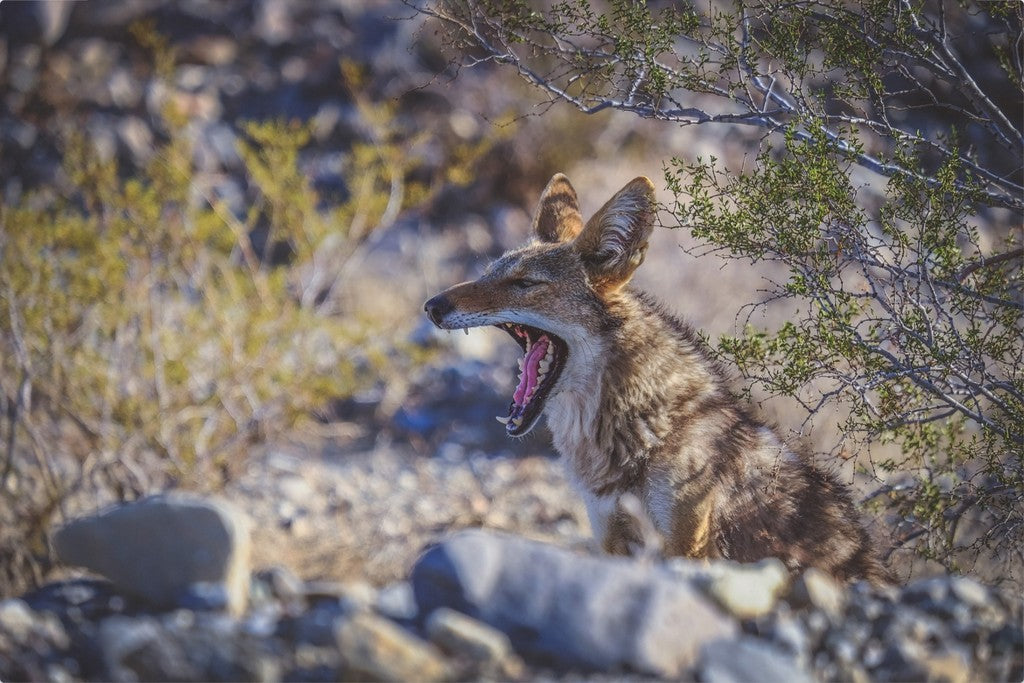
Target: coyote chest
634, 406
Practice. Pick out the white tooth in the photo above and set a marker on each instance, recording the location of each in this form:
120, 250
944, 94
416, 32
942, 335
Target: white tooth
517, 421
502, 420
466, 330
522, 362
543, 366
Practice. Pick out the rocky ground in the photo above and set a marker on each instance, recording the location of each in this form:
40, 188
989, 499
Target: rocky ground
183, 603
367, 515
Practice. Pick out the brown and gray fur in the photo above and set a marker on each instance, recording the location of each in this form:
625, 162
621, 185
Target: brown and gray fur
641, 409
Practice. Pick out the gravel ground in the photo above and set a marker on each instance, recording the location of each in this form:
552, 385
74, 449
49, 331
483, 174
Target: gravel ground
366, 515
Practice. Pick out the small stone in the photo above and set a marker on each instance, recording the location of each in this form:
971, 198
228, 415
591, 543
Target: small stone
900, 662
855, 673
23, 134
204, 596
125, 90
746, 659
817, 589
316, 626
301, 526
310, 658
927, 591
872, 654
286, 510
749, 591
459, 634
357, 596
274, 22
16, 619
817, 623
192, 77
156, 548
971, 592
790, 633
397, 601
373, 647
140, 649
136, 138
844, 649
866, 609
222, 145
213, 50
283, 584
326, 120
52, 630
262, 621
949, 667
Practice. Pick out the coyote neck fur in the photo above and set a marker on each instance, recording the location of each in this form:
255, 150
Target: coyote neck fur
611, 423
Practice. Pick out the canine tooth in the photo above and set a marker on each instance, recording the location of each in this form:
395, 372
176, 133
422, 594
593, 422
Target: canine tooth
517, 421
466, 330
502, 420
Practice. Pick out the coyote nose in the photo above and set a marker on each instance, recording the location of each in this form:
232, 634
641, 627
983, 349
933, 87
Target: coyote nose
437, 308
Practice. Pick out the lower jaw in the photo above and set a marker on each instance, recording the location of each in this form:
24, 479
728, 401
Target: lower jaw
526, 426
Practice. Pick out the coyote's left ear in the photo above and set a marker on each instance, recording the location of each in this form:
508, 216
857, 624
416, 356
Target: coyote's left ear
558, 216
614, 241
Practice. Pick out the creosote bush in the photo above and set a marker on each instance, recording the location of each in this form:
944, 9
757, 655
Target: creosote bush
889, 186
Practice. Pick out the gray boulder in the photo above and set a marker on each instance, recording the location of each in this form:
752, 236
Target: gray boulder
161, 549
569, 610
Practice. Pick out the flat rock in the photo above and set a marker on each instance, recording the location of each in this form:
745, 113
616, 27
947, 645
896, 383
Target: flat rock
488, 648
748, 659
374, 648
16, 619
141, 649
155, 549
746, 591
969, 591
817, 589
570, 610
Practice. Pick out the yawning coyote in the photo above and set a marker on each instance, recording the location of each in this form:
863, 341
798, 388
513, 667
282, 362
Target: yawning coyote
635, 406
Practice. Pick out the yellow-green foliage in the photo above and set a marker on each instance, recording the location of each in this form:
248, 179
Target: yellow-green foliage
145, 338
144, 321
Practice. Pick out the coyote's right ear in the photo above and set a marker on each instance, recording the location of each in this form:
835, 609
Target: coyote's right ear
558, 216
614, 241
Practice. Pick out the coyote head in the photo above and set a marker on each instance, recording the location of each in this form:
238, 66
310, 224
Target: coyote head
553, 296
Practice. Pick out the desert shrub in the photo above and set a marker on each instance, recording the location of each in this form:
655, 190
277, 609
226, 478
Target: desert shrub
888, 184
146, 341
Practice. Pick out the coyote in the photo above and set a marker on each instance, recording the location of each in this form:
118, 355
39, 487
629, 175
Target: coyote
636, 406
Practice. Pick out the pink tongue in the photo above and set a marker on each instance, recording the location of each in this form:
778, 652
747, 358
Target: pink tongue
528, 380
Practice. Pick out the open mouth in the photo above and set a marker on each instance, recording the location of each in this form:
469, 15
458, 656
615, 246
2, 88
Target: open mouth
543, 359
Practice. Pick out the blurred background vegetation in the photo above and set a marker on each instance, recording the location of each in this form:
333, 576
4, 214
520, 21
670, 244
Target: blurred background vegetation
220, 218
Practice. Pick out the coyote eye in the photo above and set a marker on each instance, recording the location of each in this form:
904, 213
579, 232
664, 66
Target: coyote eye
523, 283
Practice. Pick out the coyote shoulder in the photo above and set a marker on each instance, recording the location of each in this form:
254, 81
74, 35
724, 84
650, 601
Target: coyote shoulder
635, 405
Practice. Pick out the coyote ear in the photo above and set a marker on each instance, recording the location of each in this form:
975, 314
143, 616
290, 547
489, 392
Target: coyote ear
614, 241
558, 216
